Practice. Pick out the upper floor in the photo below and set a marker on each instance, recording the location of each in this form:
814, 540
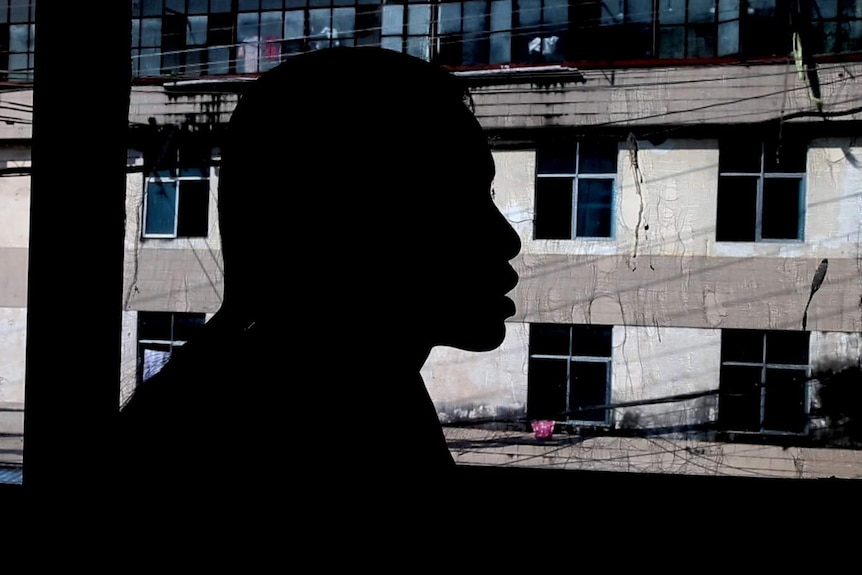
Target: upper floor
193, 38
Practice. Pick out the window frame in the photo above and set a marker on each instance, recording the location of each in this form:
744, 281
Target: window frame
576, 176
162, 344
765, 366
176, 175
571, 358
761, 177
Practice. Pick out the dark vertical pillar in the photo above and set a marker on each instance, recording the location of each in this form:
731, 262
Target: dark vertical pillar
80, 121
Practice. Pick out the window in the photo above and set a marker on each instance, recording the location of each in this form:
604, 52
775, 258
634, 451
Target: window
17, 31
569, 372
158, 334
763, 385
837, 26
176, 197
475, 32
542, 30
575, 189
406, 28
698, 28
760, 190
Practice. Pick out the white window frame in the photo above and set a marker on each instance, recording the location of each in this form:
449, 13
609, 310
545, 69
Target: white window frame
575, 177
569, 359
762, 176
177, 178
764, 365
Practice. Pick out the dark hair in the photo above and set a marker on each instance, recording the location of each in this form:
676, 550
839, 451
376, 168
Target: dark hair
311, 137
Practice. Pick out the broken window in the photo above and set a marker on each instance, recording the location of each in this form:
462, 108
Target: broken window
760, 190
158, 334
575, 184
764, 381
569, 373
177, 196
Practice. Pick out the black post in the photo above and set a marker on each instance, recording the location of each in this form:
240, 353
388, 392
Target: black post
80, 122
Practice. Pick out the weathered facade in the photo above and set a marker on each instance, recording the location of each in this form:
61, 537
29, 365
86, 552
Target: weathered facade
676, 185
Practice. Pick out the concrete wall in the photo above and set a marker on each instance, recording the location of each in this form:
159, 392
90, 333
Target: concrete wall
663, 266
670, 95
182, 274
14, 238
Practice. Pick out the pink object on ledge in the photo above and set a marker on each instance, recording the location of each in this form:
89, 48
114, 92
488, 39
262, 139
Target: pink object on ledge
543, 428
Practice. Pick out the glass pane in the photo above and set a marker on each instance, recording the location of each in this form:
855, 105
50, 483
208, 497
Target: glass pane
177, 6
344, 21
319, 28
197, 6
701, 42
218, 61
153, 361
787, 347
136, 33
220, 6
392, 43
161, 208
368, 25
597, 156
247, 27
151, 32
700, 11
740, 155
18, 63
270, 4
193, 212
550, 339
594, 208
782, 209
249, 4
556, 157
501, 42
475, 38
589, 388
789, 155
728, 10
186, 324
418, 20
784, 404
154, 325
474, 16
529, 14
450, 18
639, 11
739, 398
150, 7
671, 42
556, 13
393, 21
592, 340
271, 30
824, 9
671, 11
742, 345
196, 31
736, 219
150, 62
546, 388
294, 25
728, 38
418, 47
553, 211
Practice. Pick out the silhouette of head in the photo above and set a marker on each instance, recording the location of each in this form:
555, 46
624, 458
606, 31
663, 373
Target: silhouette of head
355, 187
